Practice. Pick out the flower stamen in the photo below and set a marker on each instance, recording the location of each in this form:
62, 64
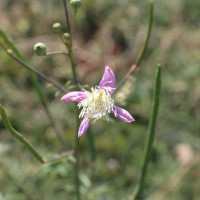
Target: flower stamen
97, 104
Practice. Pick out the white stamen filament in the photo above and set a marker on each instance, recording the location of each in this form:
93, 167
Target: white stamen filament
97, 104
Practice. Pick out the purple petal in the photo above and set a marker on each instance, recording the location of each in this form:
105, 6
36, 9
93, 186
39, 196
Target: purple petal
122, 114
108, 79
73, 96
83, 127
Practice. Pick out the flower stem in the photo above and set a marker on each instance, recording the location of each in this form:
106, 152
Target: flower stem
19, 137
91, 145
73, 65
60, 156
144, 48
76, 146
150, 136
56, 53
67, 16
76, 142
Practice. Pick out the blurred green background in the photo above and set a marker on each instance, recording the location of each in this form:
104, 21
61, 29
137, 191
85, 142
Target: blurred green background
106, 33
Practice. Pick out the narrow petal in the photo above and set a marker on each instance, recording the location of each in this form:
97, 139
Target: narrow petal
122, 114
108, 79
73, 96
83, 127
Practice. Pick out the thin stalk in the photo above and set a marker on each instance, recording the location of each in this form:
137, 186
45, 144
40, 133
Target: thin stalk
29, 146
73, 65
91, 145
56, 53
125, 78
18, 136
76, 142
60, 156
143, 50
67, 16
76, 164
150, 135
78, 87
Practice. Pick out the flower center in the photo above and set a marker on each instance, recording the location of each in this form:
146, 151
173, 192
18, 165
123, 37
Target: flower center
97, 104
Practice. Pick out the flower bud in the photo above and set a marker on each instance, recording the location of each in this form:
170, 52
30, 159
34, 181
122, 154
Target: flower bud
40, 49
76, 4
57, 27
67, 39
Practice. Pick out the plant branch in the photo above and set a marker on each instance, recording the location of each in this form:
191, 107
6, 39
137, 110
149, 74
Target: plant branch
151, 134
144, 48
56, 53
29, 146
19, 137
67, 16
59, 156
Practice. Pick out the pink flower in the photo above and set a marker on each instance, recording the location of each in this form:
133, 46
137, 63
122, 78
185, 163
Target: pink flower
98, 103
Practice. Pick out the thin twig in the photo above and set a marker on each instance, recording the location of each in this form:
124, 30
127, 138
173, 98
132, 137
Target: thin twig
131, 71
151, 135
60, 156
56, 53
38, 73
67, 16
29, 146
19, 137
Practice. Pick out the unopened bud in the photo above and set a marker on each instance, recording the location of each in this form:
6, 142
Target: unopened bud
40, 49
67, 39
57, 27
76, 4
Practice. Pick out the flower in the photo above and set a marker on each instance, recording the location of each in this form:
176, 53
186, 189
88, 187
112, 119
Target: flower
97, 103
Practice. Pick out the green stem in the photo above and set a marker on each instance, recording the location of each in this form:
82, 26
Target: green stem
76, 167
73, 65
56, 53
60, 156
19, 137
76, 141
91, 145
144, 48
67, 16
151, 134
